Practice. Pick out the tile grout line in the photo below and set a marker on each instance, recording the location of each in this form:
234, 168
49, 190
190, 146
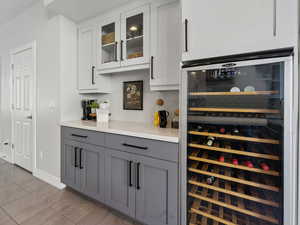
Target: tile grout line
9, 215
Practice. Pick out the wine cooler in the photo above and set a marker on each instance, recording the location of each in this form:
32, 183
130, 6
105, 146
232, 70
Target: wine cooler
239, 149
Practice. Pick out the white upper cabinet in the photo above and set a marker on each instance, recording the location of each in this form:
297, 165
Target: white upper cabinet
88, 79
217, 28
86, 57
135, 41
108, 43
165, 45
124, 41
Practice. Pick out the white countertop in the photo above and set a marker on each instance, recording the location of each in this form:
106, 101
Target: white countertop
135, 129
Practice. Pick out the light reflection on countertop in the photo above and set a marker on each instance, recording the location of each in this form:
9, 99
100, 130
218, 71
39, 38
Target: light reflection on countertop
134, 129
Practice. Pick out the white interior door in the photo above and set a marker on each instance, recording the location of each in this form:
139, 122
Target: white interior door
23, 90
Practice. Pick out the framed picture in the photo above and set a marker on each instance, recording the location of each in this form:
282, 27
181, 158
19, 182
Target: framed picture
133, 95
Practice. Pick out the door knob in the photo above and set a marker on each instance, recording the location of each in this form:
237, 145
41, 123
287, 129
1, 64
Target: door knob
29, 117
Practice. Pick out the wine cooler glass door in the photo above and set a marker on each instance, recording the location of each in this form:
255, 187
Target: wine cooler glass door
239, 163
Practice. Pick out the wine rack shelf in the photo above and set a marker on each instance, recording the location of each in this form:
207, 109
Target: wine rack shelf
237, 110
201, 214
246, 208
252, 181
233, 93
241, 167
233, 151
233, 137
228, 190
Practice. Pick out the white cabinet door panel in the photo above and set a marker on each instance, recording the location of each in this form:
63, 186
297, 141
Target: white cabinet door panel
165, 45
218, 28
86, 58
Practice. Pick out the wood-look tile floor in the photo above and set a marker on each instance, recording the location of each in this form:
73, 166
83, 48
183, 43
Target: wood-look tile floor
26, 200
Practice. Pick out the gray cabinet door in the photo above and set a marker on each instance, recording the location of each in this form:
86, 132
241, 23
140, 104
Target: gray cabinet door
92, 170
120, 191
69, 166
157, 189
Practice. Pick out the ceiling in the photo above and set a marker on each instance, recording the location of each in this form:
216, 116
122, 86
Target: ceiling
11, 8
79, 10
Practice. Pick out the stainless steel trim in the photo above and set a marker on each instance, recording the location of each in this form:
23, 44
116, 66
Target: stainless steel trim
275, 18
290, 134
290, 145
183, 147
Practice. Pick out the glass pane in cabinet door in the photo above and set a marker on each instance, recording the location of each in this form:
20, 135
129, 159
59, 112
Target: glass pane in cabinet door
109, 45
134, 36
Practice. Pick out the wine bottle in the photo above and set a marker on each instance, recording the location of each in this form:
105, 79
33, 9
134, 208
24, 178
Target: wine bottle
235, 131
248, 163
235, 161
210, 141
199, 128
263, 165
222, 130
221, 158
210, 180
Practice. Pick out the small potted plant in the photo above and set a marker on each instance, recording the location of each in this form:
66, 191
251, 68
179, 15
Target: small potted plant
94, 106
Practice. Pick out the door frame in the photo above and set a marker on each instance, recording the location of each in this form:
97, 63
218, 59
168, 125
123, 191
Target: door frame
31, 45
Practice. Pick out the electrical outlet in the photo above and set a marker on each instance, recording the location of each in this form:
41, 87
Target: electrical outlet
41, 155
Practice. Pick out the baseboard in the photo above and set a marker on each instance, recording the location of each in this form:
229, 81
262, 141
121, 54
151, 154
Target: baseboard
48, 178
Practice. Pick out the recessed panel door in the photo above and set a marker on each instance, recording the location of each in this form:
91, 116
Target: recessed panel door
23, 71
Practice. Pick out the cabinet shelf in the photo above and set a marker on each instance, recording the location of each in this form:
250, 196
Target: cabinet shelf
241, 208
109, 44
229, 165
237, 110
233, 137
233, 93
228, 190
251, 181
233, 151
135, 38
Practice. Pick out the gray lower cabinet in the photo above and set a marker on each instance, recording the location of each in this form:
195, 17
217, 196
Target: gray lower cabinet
92, 171
69, 166
120, 192
131, 175
156, 193
83, 168
142, 187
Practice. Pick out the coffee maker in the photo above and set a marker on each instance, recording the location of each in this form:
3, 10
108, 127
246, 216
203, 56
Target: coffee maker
86, 109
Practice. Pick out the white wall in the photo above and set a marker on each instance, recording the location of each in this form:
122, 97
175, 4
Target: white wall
56, 62
23, 29
171, 98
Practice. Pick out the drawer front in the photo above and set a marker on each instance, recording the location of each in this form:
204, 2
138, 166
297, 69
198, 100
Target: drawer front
85, 136
156, 149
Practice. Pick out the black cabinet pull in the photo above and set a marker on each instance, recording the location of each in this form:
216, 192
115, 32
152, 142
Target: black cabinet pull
138, 187
75, 151
152, 60
121, 55
116, 51
135, 146
93, 75
80, 159
186, 35
80, 136
130, 175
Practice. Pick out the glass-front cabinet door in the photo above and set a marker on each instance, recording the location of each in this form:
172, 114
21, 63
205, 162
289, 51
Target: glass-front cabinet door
135, 36
109, 40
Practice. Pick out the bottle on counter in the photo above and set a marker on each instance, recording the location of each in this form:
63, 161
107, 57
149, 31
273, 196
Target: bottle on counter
175, 120
156, 119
